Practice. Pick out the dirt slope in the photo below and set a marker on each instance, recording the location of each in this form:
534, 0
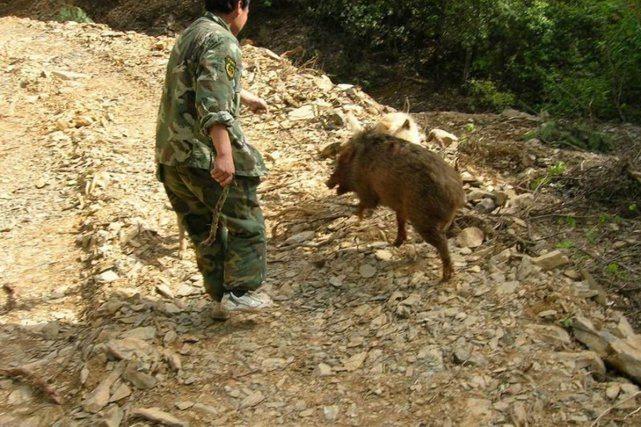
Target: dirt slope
102, 310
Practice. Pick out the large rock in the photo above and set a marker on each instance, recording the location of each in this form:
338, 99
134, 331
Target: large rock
128, 348
623, 352
99, 398
551, 260
586, 333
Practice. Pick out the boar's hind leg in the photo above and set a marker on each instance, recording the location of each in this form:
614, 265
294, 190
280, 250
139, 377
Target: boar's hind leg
437, 239
401, 235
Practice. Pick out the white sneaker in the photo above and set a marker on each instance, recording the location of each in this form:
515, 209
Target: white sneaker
251, 301
218, 312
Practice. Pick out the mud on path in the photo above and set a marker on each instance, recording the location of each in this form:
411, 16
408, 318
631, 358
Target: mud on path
108, 316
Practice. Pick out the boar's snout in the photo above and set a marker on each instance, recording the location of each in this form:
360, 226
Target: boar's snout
331, 182
334, 181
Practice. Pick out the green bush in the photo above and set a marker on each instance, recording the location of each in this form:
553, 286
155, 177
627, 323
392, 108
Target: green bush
487, 96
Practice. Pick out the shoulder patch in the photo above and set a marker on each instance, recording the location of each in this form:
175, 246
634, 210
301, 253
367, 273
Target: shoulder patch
230, 67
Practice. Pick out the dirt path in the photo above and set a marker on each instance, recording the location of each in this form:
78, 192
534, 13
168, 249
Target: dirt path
363, 335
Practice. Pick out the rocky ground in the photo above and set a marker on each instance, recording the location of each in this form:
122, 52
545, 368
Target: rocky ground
103, 323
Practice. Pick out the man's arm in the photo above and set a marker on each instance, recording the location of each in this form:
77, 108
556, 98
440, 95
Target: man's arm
223, 169
255, 103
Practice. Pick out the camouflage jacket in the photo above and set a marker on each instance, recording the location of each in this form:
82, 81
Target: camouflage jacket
202, 88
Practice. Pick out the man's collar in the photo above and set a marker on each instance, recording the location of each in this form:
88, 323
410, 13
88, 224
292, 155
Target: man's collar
217, 19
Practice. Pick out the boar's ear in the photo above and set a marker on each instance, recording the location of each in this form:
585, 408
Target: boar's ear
347, 154
407, 125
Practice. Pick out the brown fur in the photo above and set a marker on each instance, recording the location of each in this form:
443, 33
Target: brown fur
415, 182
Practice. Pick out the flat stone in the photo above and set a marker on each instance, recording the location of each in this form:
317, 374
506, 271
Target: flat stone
252, 400
331, 412
355, 362
158, 416
384, 255
112, 417
306, 112
550, 334
612, 392
165, 291
186, 290
209, 410
108, 276
121, 392
127, 348
507, 288
184, 405
174, 361
140, 380
547, 314
51, 331
586, 333
471, 237
99, 398
626, 358
551, 260
300, 238
585, 360
486, 205
325, 370
572, 274
273, 364
20, 396
526, 269
367, 271
145, 334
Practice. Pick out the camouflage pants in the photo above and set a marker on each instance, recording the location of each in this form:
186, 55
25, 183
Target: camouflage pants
236, 261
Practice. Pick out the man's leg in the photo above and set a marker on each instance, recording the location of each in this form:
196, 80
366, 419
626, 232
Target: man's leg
195, 217
245, 259
244, 250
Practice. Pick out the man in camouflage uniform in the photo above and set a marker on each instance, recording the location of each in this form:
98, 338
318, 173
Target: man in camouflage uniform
201, 149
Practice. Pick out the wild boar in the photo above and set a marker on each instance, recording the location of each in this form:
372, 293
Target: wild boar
413, 181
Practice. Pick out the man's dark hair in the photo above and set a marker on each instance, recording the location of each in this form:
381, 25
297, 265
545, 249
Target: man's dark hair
224, 6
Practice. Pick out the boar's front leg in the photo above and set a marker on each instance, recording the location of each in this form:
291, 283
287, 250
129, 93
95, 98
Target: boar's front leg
368, 202
401, 235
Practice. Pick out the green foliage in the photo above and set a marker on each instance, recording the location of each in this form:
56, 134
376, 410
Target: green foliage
570, 221
553, 172
566, 244
75, 14
487, 96
573, 135
576, 58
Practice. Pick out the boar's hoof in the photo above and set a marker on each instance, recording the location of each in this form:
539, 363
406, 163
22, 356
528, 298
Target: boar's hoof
399, 241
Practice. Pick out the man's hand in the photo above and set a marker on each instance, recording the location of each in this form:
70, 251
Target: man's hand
223, 169
255, 103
